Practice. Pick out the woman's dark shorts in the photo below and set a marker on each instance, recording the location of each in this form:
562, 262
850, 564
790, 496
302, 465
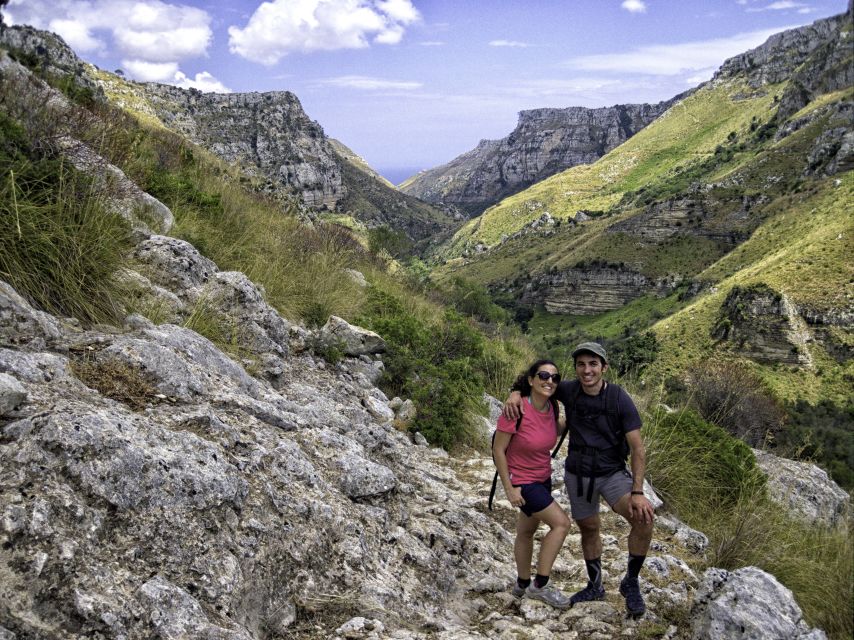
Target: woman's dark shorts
537, 496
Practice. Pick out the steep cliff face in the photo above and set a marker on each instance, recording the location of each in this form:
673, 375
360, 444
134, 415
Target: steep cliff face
267, 134
816, 59
544, 142
763, 325
593, 289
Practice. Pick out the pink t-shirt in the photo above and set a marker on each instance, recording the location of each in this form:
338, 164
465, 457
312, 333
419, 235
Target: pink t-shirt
529, 451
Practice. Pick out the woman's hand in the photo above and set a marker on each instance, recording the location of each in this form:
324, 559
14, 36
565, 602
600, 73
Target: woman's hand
514, 495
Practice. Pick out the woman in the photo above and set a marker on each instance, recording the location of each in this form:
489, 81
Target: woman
522, 456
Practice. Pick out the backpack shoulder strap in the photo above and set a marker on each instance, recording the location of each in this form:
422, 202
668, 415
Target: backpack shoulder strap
612, 406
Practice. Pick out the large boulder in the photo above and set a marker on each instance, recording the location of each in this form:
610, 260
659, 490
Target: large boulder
805, 489
352, 340
747, 604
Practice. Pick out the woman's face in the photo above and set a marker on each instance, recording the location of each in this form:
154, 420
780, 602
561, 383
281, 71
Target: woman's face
545, 387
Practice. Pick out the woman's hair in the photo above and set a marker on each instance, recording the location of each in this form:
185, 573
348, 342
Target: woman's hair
522, 384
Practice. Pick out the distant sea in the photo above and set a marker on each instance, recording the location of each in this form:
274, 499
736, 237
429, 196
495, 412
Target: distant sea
398, 174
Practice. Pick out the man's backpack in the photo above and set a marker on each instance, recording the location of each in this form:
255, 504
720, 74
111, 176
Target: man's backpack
556, 412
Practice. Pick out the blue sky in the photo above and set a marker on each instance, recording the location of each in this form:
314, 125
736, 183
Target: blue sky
410, 84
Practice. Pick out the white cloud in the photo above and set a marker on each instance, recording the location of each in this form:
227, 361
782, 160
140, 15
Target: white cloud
203, 81
366, 83
153, 36
783, 5
508, 43
634, 6
279, 27
169, 73
141, 29
673, 59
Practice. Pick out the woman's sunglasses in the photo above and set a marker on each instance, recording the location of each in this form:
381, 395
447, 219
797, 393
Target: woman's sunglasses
545, 375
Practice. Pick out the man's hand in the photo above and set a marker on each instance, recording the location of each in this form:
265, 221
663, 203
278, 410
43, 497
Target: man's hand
513, 408
640, 509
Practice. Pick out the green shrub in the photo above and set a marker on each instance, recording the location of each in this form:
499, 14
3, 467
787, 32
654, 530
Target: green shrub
711, 481
689, 457
432, 360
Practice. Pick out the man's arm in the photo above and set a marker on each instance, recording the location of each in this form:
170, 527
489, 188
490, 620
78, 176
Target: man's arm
513, 407
639, 507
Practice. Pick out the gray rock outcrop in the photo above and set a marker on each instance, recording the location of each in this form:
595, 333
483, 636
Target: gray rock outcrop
592, 289
747, 604
763, 325
544, 142
352, 340
805, 489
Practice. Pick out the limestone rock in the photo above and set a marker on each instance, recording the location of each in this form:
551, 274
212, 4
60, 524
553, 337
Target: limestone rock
362, 478
747, 603
174, 264
805, 489
763, 325
12, 394
353, 340
145, 212
255, 324
20, 323
175, 614
592, 289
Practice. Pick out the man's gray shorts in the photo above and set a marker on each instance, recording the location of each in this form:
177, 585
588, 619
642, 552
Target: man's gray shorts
612, 488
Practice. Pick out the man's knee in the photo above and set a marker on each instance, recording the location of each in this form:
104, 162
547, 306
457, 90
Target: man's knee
589, 526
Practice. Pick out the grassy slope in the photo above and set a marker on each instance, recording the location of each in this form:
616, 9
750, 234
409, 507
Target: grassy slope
689, 131
804, 251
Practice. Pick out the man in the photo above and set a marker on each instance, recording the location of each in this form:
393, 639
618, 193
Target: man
602, 418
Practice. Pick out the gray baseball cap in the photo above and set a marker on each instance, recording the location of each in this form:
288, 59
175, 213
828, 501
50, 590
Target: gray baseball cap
591, 347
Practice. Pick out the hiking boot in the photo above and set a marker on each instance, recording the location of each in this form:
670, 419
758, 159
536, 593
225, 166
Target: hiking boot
588, 594
630, 590
550, 595
518, 591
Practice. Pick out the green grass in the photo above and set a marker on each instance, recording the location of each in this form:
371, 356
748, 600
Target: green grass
59, 244
709, 480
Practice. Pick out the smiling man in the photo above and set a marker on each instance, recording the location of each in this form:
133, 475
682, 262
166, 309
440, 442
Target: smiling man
604, 429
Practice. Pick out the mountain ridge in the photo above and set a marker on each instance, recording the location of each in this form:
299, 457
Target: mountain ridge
544, 142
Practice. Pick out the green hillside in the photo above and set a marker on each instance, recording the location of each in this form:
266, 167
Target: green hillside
684, 136
722, 195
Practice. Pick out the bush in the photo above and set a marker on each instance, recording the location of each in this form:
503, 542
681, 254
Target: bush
635, 353
474, 300
711, 481
822, 433
432, 360
730, 396
689, 457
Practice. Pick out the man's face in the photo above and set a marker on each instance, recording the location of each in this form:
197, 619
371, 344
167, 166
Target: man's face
589, 369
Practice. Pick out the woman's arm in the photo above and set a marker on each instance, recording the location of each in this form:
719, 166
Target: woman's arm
499, 454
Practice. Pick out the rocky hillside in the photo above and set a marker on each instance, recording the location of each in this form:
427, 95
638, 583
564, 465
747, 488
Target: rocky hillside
152, 488
544, 142
267, 135
736, 184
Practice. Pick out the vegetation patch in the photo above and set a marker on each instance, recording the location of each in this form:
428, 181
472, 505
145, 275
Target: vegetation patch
117, 380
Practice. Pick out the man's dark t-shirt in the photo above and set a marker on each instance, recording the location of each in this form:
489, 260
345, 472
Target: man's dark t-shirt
589, 429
